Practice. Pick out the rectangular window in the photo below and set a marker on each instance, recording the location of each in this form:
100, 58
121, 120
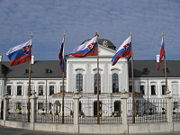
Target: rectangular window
19, 90
130, 88
9, 90
163, 90
175, 105
18, 106
153, 90
142, 89
40, 106
51, 90
40, 90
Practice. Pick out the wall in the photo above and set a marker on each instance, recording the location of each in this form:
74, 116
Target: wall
97, 129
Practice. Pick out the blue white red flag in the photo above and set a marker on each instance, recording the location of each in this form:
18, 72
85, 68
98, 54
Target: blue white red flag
61, 56
161, 54
88, 48
20, 53
124, 50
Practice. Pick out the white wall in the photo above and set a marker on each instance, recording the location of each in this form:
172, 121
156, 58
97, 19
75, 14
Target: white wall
88, 65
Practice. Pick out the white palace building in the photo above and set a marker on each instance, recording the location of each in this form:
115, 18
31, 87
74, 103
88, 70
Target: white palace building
81, 75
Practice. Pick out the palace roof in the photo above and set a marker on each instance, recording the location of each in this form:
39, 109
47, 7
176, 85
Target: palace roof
50, 69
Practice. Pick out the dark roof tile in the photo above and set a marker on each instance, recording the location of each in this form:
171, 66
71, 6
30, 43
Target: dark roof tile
40, 69
50, 69
148, 68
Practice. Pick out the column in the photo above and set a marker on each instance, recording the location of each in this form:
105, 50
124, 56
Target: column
87, 79
69, 75
33, 101
169, 108
126, 75
0, 108
76, 98
5, 109
105, 77
124, 98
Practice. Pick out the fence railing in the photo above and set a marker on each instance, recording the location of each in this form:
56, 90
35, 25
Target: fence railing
147, 111
17, 111
176, 110
151, 110
53, 113
108, 114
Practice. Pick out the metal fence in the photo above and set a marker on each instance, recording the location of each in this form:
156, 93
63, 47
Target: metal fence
17, 111
147, 111
1, 110
52, 113
1, 115
151, 110
176, 110
108, 115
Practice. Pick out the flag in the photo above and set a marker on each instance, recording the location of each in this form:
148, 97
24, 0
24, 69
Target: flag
161, 54
88, 48
123, 51
20, 53
61, 56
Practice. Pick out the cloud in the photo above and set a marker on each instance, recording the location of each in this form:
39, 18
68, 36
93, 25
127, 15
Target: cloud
80, 19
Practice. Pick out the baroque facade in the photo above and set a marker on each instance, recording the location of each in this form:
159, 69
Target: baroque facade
81, 75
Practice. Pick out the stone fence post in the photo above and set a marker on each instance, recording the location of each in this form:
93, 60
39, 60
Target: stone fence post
124, 98
5, 107
169, 109
33, 100
1, 109
76, 98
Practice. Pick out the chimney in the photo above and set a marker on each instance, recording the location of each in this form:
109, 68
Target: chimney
32, 59
1, 58
157, 58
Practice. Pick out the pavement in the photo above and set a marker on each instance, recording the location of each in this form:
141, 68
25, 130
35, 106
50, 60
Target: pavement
15, 131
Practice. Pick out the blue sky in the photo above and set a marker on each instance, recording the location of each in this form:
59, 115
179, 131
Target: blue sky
80, 19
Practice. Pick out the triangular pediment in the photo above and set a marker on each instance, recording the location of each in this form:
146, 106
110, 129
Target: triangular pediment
104, 51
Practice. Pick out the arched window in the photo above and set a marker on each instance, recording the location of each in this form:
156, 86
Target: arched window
96, 82
79, 82
95, 108
117, 108
115, 83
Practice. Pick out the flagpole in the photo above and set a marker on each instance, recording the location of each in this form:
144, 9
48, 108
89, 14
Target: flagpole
98, 116
165, 66
29, 86
63, 100
133, 88
63, 90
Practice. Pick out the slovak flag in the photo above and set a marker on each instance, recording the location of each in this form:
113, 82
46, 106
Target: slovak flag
161, 54
61, 56
88, 48
20, 53
123, 51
